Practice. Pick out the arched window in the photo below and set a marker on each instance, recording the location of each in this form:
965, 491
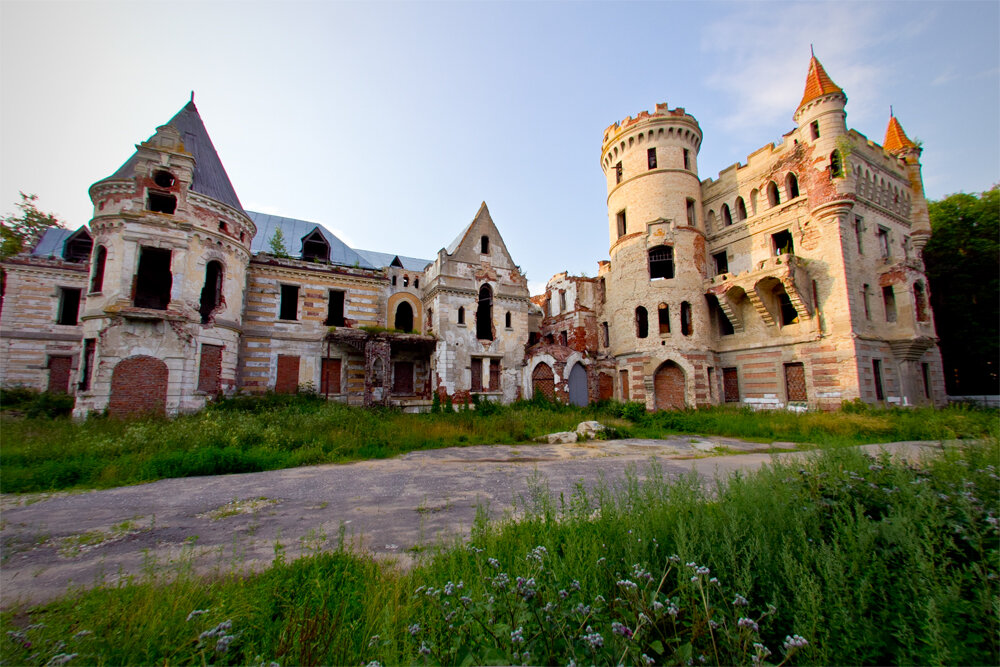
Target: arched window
836, 165
741, 210
416, 283
100, 259
772, 194
686, 325
406, 281
727, 217
211, 293
484, 245
711, 221
661, 262
484, 314
404, 317
753, 201
506, 320
461, 315
920, 301
791, 186
641, 322
663, 315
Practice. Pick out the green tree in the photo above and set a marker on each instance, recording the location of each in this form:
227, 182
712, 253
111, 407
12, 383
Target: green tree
277, 243
963, 268
19, 231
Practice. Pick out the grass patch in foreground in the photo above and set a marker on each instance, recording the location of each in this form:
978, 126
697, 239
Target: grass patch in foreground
251, 434
847, 559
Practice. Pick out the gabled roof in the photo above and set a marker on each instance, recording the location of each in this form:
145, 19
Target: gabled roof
294, 231
210, 178
453, 246
895, 139
386, 259
52, 242
818, 83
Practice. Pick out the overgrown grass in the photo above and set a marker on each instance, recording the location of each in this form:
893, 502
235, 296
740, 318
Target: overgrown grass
847, 559
250, 434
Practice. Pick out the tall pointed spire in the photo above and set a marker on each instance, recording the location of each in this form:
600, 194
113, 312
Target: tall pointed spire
818, 82
895, 139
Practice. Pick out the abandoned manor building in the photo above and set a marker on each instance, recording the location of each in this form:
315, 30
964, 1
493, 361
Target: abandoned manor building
794, 280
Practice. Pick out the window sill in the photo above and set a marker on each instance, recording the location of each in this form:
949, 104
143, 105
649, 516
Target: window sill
281, 321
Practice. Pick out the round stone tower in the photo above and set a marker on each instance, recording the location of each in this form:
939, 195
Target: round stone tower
164, 306
659, 323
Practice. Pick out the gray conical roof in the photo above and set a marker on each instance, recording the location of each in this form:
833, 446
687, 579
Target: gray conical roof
210, 178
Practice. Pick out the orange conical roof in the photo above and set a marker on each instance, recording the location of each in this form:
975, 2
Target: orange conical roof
895, 139
818, 83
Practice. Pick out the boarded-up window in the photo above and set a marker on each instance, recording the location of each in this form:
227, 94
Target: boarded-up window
795, 382
731, 385
605, 387
623, 375
477, 374
330, 377
210, 369
542, 382
494, 375
402, 378
287, 379
59, 372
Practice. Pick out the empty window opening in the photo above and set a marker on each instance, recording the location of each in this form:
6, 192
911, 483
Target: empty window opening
721, 263
727, 217
160, 202
223, 227
78, 247
623, 381
641, 322
532, 338
877, 372
661, 262
621, 223
859, 227
663, 315
404, 317
394, 281
687, 326
795, 382
889, 301
97, 279
430, 319
563, 338
335, 309
925, 375
788, 313
506, 320
773, 199
87, 365
618, 173
836, 165
406, 281
651, 158
494, 375
883, 242
484, 245
211, 292
315, 247
416, 283
691, 215
163, 179
153, 279
69, 305
864, 300
731, 385
289, 309
920, 301
484, 314
791, 186
605, 334
814, 127
461, 315
741, 210
562, 301
687, 159
782, 243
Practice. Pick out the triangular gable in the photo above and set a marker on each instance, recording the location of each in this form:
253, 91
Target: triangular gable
468, 242
395, 262
315, 245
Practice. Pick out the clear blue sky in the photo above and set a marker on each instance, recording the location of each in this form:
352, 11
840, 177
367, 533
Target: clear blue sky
391, 122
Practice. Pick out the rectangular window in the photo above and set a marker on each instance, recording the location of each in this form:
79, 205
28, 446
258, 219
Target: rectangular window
859, 227
687, 159
925, 373
562, 301
161, 203
691, 217
494, 375
864, 300
289, 307
731, 385
651, 158
623, 380
877, 370
329, 380
153, 280
287, 376
605, 334
889, 300
883, 243
782, 243
663, 312
795, 382
621, 224
618, 173
721, 263
814, 126
69, 305
210, 369
477, 374
335, 309
87, 370
402, 378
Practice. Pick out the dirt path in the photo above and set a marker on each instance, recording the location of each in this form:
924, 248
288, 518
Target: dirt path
395, 507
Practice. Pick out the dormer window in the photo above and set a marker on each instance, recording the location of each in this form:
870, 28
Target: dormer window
164, 179
315, 247
161, 202
78, 246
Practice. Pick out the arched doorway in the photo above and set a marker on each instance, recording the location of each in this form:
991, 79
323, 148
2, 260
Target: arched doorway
542, 381
138, 385
404, 317
668, 387
578, 386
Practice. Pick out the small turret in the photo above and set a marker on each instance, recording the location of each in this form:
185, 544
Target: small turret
822, 105
898, 144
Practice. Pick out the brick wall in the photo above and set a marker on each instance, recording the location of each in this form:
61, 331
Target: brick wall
138, 385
